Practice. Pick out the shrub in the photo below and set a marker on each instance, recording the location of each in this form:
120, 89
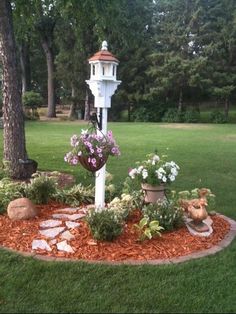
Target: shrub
76, 195
191, 116
105, 225
168, 213
9, 191
217, 117
32, 100
172, 115
41, 189
148, 113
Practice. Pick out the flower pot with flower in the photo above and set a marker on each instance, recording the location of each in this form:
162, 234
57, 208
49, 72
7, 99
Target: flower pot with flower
91, 150
154, 174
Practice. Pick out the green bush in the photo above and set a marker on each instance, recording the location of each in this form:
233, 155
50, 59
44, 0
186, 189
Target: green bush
41, 189
172, 115
105, 225
9, 191
217, 117
191, 116
148, 113
32, 100
169, 215
76, 195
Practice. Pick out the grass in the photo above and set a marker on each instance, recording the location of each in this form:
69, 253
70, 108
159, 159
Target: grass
206, 155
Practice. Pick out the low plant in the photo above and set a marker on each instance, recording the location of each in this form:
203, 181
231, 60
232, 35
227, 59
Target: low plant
76, 195
172, 115
105, 224
167, 212
123, 205
41, 189
5, 169
9, 191
148, 229
217, 117
191, 115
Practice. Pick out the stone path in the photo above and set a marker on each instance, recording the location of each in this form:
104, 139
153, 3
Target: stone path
57, 230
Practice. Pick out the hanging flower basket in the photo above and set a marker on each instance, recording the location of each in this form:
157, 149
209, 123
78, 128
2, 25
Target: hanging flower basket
85, 162
91, 150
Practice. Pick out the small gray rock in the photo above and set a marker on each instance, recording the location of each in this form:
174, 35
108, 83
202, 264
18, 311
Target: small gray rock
52, 232
69, 217
66, 235
67, 210
41, 244
72, 224
51, 223
63, 246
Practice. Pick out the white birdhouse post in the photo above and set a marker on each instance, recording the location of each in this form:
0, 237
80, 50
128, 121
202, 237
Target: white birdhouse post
103, 85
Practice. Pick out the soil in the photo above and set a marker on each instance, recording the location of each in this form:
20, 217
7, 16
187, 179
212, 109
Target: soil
19, 235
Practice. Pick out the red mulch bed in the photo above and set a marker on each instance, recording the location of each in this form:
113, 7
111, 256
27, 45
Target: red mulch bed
18, 235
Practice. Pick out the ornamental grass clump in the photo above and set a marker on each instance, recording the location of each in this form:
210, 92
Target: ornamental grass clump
155, 170
95, 147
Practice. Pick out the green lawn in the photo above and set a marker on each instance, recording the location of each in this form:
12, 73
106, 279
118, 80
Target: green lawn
206, 154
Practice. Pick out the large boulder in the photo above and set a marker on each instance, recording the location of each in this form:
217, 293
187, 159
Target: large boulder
21, 208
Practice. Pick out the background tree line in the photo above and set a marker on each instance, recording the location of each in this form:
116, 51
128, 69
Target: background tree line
175, 55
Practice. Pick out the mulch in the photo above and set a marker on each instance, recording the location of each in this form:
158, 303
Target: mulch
18, 235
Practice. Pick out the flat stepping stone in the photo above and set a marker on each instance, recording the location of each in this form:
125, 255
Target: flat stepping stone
51, 223
72, 224
68, 210
68, 217
66, 235
65, 247
52, 232
53, 241
41, 244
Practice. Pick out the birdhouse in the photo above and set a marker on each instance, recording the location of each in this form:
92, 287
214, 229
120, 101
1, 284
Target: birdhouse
103, 65
103, 82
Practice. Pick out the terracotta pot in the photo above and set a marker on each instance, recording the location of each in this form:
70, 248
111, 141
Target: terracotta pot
153, 193
89, 166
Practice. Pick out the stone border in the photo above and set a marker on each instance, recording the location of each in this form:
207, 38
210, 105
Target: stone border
175, 260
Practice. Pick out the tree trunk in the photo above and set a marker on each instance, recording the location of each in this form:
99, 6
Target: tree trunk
87, 107
226, 108
51, 84
14, 133
72, 113
180, 105
25, 66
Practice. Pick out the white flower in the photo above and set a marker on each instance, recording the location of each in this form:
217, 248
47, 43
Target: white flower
172, 178
164, 178
140, 168
161, 170
144, 174
132, 173
159, 174
174, 171
156, 158
84, 132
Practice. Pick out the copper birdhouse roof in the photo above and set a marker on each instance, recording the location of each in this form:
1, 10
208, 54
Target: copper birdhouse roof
103, 55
